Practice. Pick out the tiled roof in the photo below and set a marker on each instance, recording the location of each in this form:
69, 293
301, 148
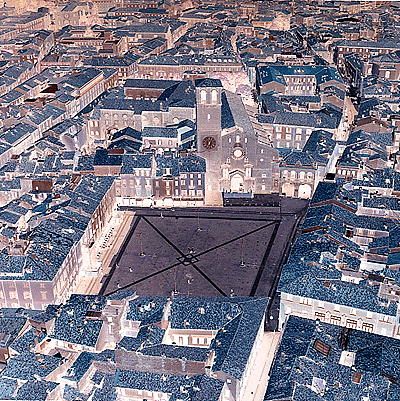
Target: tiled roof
309, 364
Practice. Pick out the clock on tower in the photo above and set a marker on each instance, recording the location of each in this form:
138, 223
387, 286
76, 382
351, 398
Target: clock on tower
209, 142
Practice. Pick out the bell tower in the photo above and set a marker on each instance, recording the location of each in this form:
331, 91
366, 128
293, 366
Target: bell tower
209, 142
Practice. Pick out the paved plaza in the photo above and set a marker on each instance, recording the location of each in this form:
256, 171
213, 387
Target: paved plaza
207, 252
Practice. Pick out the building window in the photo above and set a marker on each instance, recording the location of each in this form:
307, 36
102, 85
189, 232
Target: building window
305, 301
336, 320
214, 96
368, 327
351, 324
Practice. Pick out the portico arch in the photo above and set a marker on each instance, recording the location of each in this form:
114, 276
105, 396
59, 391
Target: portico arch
237, 182
305, 191
288, 189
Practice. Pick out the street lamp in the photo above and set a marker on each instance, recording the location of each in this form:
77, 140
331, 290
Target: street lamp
141, 246
198, 222
242, 264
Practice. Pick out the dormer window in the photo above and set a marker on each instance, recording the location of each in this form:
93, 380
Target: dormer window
349, 232
321, 347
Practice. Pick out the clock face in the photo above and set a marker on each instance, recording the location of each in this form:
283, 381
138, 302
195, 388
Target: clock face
209, 142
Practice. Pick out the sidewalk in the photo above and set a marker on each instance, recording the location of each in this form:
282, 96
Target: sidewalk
271, 344
258, 381
111, 240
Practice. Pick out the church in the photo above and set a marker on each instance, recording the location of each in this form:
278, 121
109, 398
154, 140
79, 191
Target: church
237, 160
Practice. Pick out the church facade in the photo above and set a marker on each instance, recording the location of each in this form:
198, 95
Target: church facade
237, 160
